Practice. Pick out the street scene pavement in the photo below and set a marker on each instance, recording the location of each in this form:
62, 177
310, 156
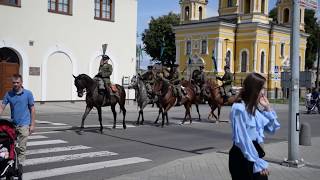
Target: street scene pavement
190, 151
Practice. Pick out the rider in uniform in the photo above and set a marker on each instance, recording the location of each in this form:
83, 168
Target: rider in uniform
199, 79
227, 80
175, 80
105, 71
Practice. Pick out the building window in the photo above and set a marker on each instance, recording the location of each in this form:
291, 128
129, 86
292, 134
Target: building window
10, 2
187, 13
230, 4
104, 9
263, 3
244, 59
286, 14
228, 58
247, 6
200, 13
188, 47
204, 47
282, 49
60, 6
262, 62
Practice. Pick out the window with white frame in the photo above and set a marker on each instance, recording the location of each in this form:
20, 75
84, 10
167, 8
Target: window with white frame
262, 62
188, 47
104, 9
282, 49
204, 46
60, 6
10, 2
244, 61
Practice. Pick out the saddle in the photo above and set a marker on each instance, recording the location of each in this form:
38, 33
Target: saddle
114, 88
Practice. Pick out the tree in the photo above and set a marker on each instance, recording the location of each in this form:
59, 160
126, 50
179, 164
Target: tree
274, 14
312, 28
159, 39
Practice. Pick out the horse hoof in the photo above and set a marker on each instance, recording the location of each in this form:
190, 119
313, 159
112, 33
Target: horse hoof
124, 127
101, 131
141, 123
113, 127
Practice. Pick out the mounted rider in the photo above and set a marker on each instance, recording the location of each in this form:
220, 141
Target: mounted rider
227, 80
148, 78
105, 72
199, 79
175, 81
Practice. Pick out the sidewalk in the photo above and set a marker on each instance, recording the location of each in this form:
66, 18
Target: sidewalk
214, 166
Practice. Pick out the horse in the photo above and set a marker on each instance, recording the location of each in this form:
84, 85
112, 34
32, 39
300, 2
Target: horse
190, 89
86, 84
167, 99
142, 98
212, 93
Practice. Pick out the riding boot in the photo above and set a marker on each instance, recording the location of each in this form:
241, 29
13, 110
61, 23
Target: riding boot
179, 100
107, 91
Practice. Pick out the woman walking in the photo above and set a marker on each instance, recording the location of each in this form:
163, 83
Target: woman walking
250, 116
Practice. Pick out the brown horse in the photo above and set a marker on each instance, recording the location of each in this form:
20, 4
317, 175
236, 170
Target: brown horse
212, 93
192, 98
167, 99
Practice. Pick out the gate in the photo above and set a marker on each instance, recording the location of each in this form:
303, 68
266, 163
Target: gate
7, 70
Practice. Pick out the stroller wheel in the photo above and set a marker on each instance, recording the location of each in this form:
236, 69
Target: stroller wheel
9, 178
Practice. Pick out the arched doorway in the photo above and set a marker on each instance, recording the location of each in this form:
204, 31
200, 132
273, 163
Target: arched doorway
59, 77
9, 65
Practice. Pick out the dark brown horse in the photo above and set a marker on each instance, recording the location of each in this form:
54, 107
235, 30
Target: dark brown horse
167, 99
93, 99
212, 93
192, 98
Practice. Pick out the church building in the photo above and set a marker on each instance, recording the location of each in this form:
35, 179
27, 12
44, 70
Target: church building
242, 37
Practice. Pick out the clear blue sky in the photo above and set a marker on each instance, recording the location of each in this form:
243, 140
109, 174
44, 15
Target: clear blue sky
156, 8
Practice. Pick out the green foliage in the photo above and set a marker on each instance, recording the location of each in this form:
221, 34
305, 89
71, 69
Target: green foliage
159, 37
313, 29
274, 14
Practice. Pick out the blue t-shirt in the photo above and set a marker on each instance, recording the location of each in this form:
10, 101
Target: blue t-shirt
20, 105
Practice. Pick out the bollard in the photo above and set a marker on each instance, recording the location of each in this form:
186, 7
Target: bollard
305, 134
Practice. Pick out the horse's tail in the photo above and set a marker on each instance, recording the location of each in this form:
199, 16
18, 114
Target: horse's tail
122, 99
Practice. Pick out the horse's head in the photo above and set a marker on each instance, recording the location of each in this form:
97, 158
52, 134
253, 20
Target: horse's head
134, 82
157, 86
79, 83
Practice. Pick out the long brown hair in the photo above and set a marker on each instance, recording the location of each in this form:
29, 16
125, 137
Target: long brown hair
252, 86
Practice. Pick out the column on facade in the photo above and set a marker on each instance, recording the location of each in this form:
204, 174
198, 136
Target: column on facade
218, 53
255, 49
273, 57
177, 52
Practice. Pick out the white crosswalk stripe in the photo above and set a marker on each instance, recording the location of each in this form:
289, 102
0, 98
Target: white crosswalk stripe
57, 149
82, 168
44, 160
38, 143
37, 137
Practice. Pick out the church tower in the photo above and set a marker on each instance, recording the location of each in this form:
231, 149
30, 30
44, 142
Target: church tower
254, 11
284, 13
192, 10
228, 7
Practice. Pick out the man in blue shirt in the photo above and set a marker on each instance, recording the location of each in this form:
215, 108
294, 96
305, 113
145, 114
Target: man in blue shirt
22, 113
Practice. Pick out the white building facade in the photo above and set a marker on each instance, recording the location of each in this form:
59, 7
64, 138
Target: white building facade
55, 39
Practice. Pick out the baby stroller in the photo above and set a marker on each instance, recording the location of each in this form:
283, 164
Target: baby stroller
312, 103
9, 165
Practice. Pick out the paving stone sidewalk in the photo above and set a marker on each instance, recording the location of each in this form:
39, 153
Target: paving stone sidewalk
214, 166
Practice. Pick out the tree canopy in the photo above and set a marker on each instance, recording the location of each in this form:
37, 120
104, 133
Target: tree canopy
159, 39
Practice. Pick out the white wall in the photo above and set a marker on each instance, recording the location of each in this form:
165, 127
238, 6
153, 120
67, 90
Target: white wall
79, 36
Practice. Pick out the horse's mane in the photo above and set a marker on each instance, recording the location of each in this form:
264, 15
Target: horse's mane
84, 76
212, 82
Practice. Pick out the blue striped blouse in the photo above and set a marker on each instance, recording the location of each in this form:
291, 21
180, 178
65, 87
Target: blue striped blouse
247, 128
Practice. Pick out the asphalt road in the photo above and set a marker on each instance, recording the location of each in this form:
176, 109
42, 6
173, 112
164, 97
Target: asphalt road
58, 151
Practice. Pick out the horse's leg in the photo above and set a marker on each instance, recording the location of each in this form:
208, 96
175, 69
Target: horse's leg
167, 118
84, 116
137, 123
189, 112
160, 112
219, 110
124, 112
113, 109
185, 114
197, 107
163, 117
100, 119
141, 123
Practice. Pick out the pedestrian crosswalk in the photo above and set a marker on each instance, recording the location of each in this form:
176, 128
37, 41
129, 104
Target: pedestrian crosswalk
52, 157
